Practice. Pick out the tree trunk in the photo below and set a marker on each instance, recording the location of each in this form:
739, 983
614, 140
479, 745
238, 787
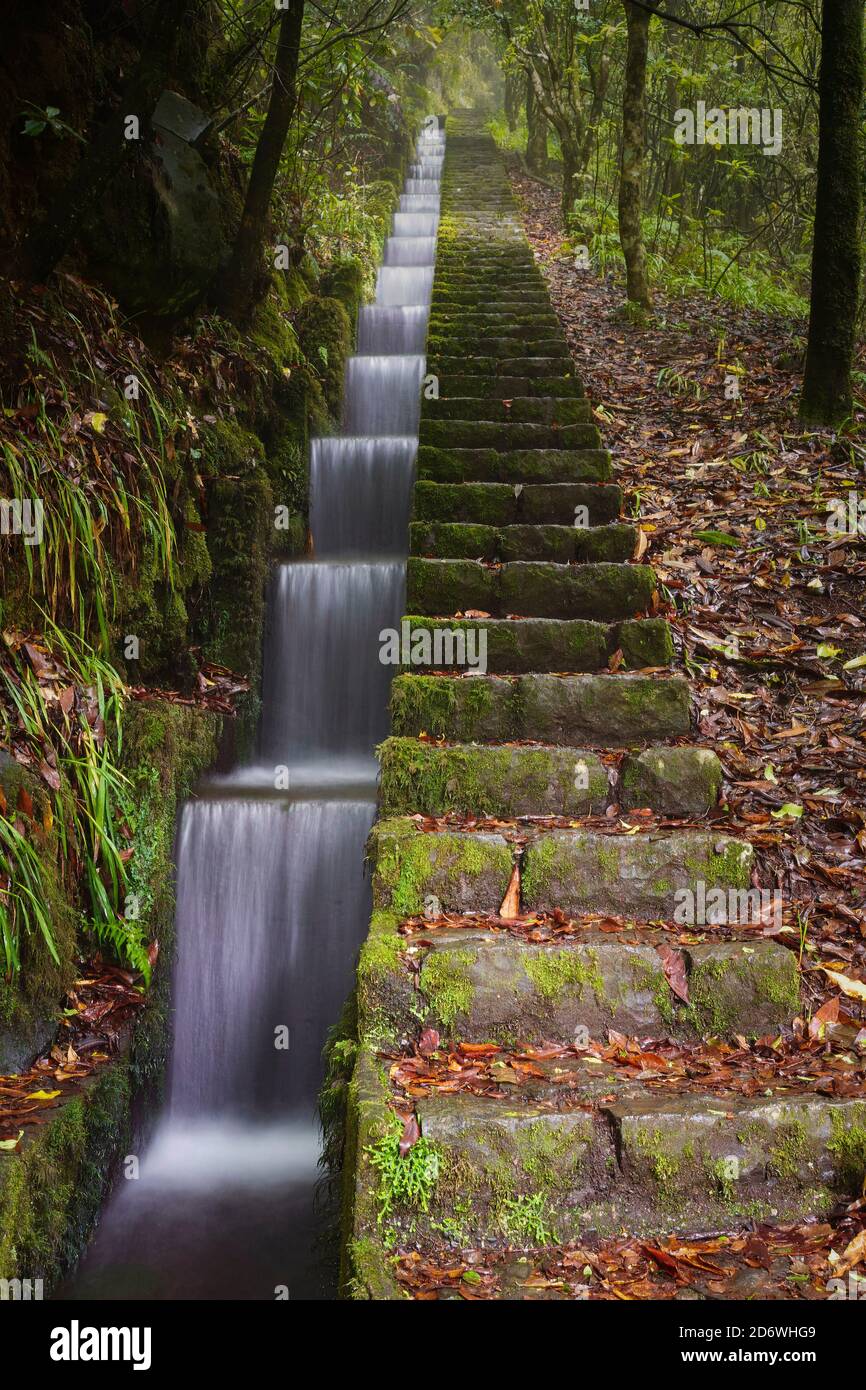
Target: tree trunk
512, 100
536, 127
103, 159
633, 148
571, 177
826, 397
236, 293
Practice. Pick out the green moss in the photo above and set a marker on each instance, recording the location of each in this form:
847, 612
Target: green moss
647, 977
663, 1166
344, 280
790, 1151
445, 982
539, 867
847, 1144
554, 973
381, 954
711, 1010
325, 335
410, 864
50, 1190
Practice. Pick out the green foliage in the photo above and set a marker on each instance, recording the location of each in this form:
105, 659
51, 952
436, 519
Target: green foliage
525, 1220
405, 1180
96, 803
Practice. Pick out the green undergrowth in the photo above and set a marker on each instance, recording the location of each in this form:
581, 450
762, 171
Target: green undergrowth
405, 1180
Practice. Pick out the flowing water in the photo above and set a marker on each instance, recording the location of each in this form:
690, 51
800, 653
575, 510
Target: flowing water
272, 903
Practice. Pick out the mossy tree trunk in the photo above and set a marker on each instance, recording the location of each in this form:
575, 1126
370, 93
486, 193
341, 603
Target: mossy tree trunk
826, 397
633, 150
111, 145
512, 99
238, 289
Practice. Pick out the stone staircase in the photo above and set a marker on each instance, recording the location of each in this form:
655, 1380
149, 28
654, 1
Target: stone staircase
511, 789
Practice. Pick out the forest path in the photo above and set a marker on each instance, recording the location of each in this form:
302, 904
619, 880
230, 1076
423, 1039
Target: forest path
549, 821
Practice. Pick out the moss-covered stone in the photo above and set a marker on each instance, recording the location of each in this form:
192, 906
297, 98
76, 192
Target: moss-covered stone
484, 434
636, 875
459, 870
502, 504
749, 988
528, 644
643, 642
52, 1185
575, 710
533, 589
433, 780
524, 410
673, 781
325, 335
344, 280
447, 463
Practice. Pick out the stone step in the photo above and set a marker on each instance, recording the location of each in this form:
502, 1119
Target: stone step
642, 876
529, 466
454, 344
447, 364
506, 388
522, 410
638, 876
595, 1154
505, 438
481, 983
493, 299
521, 780
472, 329
602, 711
562, 545
498, 279
503, 325
501, 504
533, 589
517, 645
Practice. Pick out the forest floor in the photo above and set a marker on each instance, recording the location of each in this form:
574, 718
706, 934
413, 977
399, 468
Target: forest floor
766, 604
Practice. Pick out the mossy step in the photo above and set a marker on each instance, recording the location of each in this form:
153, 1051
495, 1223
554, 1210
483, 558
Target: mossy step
524, 409
447, 364
562, 545
600, 710
465, 343
435, 779
541, 1167
501, 504
486, 985
500, 278
505, 438
673, 781
539, 644
539, 467
489, 297
477, 327
532, 589
509, 387
504, 325
466, 251
456, 867
642, 876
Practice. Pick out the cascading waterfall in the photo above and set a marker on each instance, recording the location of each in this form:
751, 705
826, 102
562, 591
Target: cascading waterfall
272, 903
